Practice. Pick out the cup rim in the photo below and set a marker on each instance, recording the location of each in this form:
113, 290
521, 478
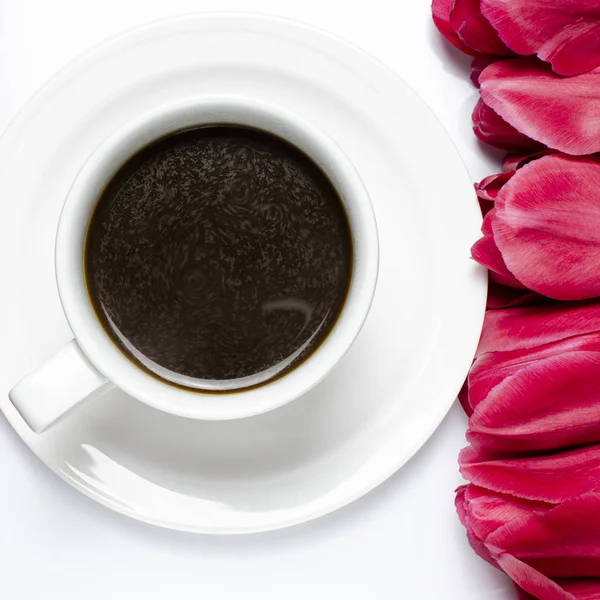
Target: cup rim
88, 185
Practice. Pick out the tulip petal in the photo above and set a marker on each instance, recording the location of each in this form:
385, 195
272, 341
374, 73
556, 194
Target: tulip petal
546, 226
492, 129
532, 581
474, 30
475, 543
514, 534
541, 403
492, 369
486, 511
440, 10
488, 188
563, 542
554, 478
487, 191
529, 327
561, 113
478, 65
486, 253
562, 32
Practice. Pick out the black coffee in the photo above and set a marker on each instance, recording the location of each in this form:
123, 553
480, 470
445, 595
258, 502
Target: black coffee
218, 253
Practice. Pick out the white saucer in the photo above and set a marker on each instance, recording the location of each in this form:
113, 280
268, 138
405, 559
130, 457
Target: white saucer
392, 389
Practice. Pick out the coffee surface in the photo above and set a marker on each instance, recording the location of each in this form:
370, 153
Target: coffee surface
218, 253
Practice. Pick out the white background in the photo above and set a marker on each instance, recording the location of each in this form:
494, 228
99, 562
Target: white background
401, 541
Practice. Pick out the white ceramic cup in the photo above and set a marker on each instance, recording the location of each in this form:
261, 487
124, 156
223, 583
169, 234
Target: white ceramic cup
91, 363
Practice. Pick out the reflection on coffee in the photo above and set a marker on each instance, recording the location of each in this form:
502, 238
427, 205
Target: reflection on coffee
216, 254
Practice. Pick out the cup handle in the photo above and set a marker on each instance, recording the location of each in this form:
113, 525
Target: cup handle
56, 387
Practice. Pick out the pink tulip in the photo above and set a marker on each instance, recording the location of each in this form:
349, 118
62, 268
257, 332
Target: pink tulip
524, 98
532, 328
537, 544
562, 32
542, 232
562, 542
501, 296
535, 381
441, 17
541, 401
474, 30
504, 290
512, 338
462, 24
483, 512
553, 478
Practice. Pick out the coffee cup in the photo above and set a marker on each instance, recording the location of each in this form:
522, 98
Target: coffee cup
92, 364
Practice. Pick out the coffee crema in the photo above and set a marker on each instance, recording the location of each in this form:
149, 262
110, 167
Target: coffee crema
218, 254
